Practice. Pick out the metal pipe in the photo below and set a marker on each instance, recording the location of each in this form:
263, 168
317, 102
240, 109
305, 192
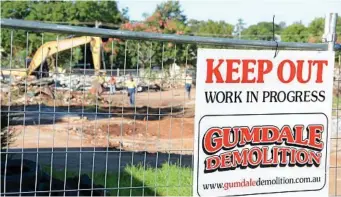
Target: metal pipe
99, 32
326, 27
332, 32
329, 35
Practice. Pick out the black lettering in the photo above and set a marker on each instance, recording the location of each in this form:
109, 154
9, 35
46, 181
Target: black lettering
229, 96
210, 98
322, 96
237, 97
221, 98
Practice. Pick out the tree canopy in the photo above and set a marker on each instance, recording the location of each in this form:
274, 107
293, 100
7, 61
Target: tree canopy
66, 12
63, 11
261, 31
167, 18
210, 28
240, 26
295, 33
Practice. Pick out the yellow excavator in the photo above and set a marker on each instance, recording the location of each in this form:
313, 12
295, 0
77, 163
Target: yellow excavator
50, 48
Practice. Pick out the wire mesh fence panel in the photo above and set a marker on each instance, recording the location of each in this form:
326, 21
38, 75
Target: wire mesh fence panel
125, 131
335, 165
75, 135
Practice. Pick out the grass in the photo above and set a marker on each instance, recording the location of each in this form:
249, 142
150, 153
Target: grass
168, 180
336, 105
336, 102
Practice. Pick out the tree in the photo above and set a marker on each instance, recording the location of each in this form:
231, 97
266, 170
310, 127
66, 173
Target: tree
125, 15
282, 25
240, 26
338, 28
15, 9
316, 27
76, 11
73, 12
193, 25
315, 30
167, 18
261, 31
295, 33
210, 28
338, 32
171, 10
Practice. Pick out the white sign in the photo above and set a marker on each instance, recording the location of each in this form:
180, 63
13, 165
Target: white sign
262, 123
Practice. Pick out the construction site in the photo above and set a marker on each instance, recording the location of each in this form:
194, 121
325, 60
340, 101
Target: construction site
93, 108
51, 109
74, 106
62, 110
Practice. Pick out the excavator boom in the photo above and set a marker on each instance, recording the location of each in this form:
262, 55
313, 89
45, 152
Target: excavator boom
50, 48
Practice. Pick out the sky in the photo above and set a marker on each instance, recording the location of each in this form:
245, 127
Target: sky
251, 11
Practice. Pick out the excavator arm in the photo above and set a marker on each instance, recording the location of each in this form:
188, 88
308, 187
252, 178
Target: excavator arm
50, 48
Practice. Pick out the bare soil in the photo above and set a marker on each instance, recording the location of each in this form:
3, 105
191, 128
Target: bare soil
161, 122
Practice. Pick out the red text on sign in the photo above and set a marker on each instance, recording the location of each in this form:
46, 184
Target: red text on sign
228, 138
254, 71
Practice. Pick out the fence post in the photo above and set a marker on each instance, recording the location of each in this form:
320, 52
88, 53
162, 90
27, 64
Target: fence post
330, 30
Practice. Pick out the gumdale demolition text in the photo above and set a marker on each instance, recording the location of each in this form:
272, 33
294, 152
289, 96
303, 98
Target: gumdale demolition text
307, 153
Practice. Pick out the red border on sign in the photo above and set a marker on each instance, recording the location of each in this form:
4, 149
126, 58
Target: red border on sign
274, 114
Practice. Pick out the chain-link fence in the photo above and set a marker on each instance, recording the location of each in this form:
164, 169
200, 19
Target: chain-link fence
66, 132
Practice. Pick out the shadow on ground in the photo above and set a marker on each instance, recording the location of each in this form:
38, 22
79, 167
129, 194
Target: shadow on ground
42, 114
96, 170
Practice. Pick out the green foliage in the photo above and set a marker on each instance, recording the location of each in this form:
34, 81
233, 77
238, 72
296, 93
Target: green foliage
178, 180
149, 74
171, 10
261, 31
75, 12
77, 54
338, 28
282, 25
295, 33
211, 28
15, 9
167, 18
316, 27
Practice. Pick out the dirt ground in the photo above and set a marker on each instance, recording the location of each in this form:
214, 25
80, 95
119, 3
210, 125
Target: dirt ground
168, 127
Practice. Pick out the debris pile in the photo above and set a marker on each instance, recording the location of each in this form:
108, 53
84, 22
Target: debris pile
73, 82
